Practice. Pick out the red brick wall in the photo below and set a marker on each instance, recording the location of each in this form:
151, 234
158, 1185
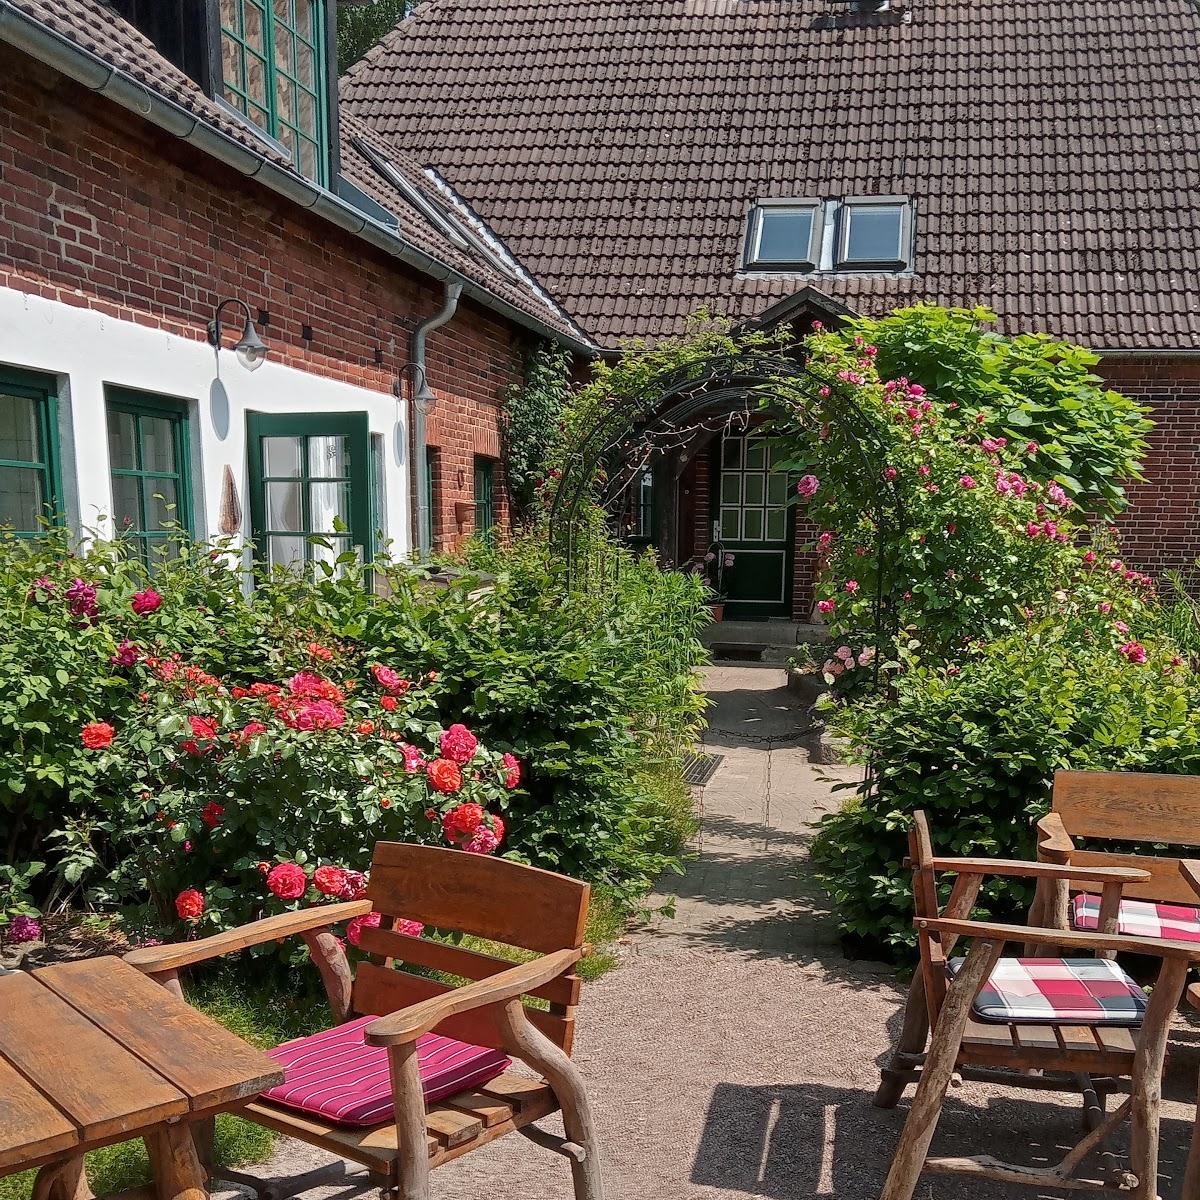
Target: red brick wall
100, 210
1161, 528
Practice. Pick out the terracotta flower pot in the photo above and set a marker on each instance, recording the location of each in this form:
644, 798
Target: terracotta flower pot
718, 611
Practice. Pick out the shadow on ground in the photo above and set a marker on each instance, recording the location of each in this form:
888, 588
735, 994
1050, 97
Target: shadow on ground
813, 1140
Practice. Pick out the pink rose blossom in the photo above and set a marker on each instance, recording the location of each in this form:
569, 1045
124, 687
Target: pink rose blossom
24, 929
1031, 447
825, 606
1135, 652
1033, 529
852, 586
923, 470
967, 481
1120, 627
807, 487
1090, 557
844, 653
358, 924
482, 841
1056, 495
890, 473
1105, 606
145, 602
459, 744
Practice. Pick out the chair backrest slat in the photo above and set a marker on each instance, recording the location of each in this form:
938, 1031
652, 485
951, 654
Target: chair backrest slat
473, 893
1129, 806
391, 945
933, 960
1165, 884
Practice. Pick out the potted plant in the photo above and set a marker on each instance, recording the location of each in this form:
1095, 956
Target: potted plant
713, 566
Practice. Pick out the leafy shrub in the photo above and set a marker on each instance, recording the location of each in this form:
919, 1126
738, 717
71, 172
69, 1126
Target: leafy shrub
976, 744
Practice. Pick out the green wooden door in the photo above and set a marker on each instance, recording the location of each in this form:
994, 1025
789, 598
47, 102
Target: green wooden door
485, 505
310, 487
755, 525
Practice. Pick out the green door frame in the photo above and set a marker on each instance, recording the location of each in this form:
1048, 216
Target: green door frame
750, 609
353, 426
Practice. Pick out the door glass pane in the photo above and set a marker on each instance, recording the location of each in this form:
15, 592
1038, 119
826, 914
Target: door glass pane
283, 506
755, 488
18, 429
285, 551
328, 502
162, 502
776, 524
122, 427
329, 457
281, 457
756, 455
731, 452
777, 488
730, 523
158, 445
21, 497
752, 524
127, 506
778, 453
731, 488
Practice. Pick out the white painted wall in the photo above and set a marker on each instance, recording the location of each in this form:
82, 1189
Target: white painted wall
87, 350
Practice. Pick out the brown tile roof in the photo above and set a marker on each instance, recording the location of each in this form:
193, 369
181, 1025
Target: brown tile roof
93, 27
1052, 148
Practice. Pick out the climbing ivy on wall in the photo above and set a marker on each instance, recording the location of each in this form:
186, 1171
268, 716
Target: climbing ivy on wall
531, 423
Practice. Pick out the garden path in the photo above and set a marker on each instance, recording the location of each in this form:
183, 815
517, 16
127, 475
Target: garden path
734, 1052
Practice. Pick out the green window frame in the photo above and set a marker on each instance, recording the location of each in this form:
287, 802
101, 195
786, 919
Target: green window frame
485, 498
149, 466
431, 494
40, 465
297, 469
274, 71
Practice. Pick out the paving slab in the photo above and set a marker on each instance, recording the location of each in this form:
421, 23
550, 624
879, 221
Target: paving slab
735, 1050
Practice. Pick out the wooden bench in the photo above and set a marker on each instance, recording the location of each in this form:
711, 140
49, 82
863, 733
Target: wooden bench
447, 890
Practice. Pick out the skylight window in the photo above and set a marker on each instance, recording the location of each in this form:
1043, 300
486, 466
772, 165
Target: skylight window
874, 232
784, 235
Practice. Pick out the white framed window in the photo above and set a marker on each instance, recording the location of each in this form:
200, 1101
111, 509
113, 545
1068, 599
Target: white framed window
874, 232
783, 235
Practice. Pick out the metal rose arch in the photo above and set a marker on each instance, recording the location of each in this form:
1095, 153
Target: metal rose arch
671, 414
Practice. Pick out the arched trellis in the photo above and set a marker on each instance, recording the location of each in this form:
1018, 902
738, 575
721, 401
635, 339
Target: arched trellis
620, 439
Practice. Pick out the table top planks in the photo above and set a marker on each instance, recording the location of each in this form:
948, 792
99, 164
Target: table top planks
209, 1065
94, 1051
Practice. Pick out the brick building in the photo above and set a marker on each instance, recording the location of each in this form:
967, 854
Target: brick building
785, 159
163, 165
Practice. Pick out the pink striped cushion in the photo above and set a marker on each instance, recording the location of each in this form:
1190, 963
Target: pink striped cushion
336, 1075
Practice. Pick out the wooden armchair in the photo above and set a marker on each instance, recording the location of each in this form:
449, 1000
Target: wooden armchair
1046, 1053
447, 890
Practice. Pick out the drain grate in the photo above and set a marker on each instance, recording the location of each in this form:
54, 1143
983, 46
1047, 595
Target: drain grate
699, 768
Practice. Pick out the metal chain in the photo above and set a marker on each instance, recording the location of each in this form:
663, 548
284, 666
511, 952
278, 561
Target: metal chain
770, 740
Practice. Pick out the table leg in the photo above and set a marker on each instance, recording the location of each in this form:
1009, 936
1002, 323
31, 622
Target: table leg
178, 1171
63, 1180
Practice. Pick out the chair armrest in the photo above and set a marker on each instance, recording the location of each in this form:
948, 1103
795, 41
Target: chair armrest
1053, 837
154, 960
1040, 870
408, 1024
1073, 939
1189, 868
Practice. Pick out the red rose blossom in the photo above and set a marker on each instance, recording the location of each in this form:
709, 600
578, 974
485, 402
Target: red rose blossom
354, 885
388, 703
203, 728
459, 744
444, 775
212, 813
358, 924
512, 770
146, 602
288, 881
460, 822
97, 735
189, 904
330, 881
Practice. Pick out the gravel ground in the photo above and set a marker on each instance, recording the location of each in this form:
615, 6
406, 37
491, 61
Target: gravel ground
735, 1050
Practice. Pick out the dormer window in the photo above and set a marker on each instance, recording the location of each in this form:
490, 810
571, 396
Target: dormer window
784, 235
874, 232
273, 71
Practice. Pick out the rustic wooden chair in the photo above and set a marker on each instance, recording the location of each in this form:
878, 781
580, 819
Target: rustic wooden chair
446, 890
977, 1035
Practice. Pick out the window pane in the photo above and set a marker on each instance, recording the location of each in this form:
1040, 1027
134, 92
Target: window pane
784, 235
337, 547
755, 488
752, 524
231, 15
874, 234
756, 455
776, 524
21, 498
304, 19
730, 523
283, 50
308, 114
255, 27
283, 103
122, 452
18, 429
283, 506
285, 551
308, 159
127, 505
162, 502
731, 488
158, 445
328, 502
306, 66
281, 457
256, 84
329, 457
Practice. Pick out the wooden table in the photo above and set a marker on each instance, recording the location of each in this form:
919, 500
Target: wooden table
94, 1052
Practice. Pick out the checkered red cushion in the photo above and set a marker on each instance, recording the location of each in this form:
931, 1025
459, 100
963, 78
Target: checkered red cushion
1059, 991
336, 1075
1142, 918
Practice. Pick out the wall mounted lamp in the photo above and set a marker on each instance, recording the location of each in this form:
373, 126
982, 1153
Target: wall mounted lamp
250, 349
423, 394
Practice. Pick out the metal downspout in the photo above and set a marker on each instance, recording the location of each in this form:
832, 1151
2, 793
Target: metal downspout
422, 394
